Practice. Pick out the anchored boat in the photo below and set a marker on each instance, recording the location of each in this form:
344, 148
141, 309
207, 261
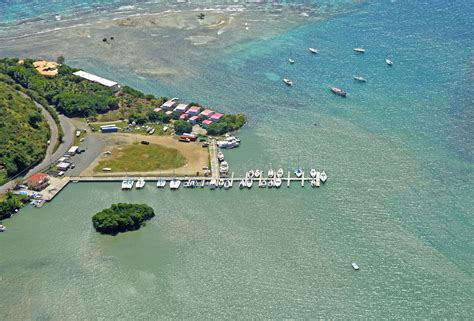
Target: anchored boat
338, 91
313, 50
288, 81
360, 50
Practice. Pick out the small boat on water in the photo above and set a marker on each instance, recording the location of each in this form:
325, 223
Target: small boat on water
140, 183
313, 183
291, 61
160, 183
213, 184
224, 168
124, 184
249, 183
279, 173
288, 81
312, 173
2, 228
323, 176
175, 183
299, 172
127, 184
355, 266
251, 174
270, 173
270, 183
338, 91
258, 173
277, 182
187, 184
359, 78
227, 184
242, 184
262, 183
360, 50
313, 50
220, 156
221, 183
389, 62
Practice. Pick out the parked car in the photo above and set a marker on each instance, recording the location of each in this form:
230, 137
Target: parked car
145, 142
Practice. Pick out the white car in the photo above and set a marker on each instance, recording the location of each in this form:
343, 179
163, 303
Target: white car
61, 173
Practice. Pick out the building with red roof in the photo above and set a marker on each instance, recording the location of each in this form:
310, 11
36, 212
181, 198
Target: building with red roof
183, 116
216, 117
206, 123
181, 108
38, 181
194, 119
194, 110
206, 113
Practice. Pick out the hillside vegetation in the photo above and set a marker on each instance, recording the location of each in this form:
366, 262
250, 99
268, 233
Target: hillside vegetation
23, 132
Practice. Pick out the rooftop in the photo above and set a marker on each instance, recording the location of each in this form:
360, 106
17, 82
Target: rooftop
37, 178
94, 78
46, 68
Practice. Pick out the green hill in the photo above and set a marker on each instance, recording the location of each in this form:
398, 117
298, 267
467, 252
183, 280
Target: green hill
23, 132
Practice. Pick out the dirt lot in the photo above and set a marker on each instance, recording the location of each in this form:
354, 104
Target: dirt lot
196, 156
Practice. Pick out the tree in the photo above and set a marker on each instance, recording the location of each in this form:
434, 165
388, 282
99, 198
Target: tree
60, 60
122, 217
182, 126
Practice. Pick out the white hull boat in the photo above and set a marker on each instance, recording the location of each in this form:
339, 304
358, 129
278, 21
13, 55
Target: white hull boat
312, 173
213, 184
2, 228
359, 78
288, 81
291, 61
249, 183
242, 184
258, 173
221, 183
271, 183
251, 174
323, 176
277, 182
355, 266
140, 183
279, 173
220, 156
389, 62
270, 173
262, 183
161, 183
313, 50
360, 50
299, 172
227, 184
175, 183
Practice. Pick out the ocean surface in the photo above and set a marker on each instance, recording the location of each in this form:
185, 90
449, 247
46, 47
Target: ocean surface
399, 153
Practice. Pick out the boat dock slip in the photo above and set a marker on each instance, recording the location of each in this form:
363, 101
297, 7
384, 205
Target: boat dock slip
232, 180
214, 160
55, 186
288, 180
302, 179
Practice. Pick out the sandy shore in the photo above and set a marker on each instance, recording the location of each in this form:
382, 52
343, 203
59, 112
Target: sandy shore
196, 156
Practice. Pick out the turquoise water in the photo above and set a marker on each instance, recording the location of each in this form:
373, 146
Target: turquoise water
398, 151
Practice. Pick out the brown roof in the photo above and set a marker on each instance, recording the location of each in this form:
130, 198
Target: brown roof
37, 178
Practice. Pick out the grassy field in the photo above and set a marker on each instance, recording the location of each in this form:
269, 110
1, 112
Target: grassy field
142, 158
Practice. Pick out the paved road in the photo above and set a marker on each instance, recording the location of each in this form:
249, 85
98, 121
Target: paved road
68, 129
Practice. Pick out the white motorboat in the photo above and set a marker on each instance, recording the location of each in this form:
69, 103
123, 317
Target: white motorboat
355, 266
299, 172
291, 61
160, 183
227, 184
249, 183
221, 183
359, 78
2, 228
279, 173
313, 50
389, 62
124, 184
277, 182
220, 156
312, 173
288, 81
270, 173
224, 168
262, 183
360, 50
242, 184
213, 184
140, 183
313, 183
127, 184
175, 183
270, 183
251, 174
258, 173
187, 184
338, 91
323, 176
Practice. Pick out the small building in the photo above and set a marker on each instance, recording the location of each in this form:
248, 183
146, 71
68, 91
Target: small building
73, 150
206, 113
194, 111
38, 181
169, 113
63, 166
46, 68
104, 82
216, 117
181, 108
194, 119
206, 123
169, 104
157, 110
183, 116
109, 128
